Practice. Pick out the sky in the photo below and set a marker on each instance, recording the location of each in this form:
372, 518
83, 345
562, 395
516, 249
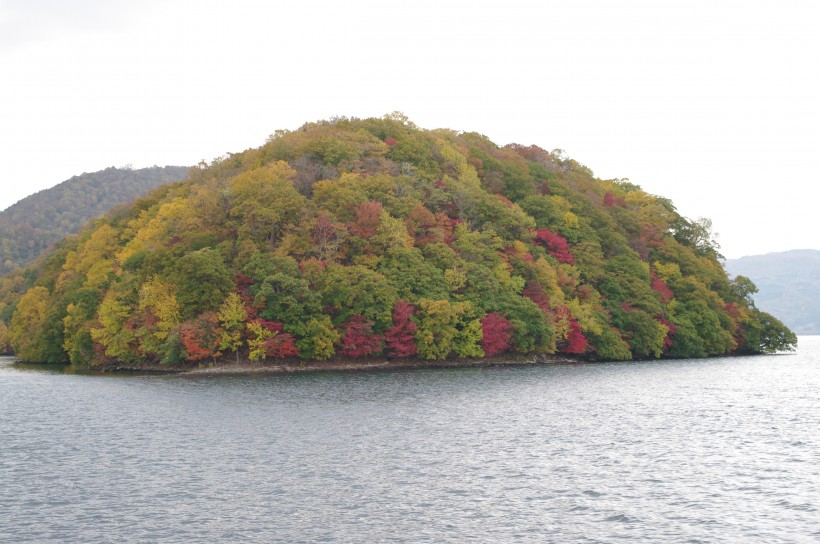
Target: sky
712, 103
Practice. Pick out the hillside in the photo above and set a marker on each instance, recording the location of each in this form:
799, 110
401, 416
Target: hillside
355, 238
32, 225
789, 286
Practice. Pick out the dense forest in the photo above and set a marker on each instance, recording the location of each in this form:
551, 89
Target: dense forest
29, 227
372, 237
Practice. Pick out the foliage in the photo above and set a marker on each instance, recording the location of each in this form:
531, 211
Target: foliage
358, 339
355, 237
201, 337
231, 317
29, 227
400, 338
5, 341
318, 338
496, 334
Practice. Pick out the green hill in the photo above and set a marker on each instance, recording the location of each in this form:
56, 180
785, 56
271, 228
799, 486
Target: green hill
789, 284
356, 238
32, 225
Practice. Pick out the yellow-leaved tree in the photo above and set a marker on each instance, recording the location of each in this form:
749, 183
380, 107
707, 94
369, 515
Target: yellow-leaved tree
29, 317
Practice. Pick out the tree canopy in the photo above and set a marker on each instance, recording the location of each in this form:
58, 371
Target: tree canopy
373, 237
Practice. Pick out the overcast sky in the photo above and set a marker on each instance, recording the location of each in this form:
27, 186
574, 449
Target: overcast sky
714, 104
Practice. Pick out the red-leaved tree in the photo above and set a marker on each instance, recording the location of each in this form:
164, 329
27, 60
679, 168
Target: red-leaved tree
535, 292
401, 338
200, 337
576, 342
358, 339
497, 334
280, 344
556, 245
368, 218
611, 200
659, 286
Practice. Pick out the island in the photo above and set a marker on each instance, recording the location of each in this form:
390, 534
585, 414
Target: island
376, 240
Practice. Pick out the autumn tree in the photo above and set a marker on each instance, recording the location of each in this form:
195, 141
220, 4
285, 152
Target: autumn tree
264, 200
27, 322
358, 339
400, 338
318, 338
497, 333
201, 337
232, 316
5, 342
445, 326
555, 244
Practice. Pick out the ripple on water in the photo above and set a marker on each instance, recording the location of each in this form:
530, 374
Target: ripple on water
723, 450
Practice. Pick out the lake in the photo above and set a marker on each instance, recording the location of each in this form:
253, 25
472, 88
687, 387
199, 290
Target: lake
713, 450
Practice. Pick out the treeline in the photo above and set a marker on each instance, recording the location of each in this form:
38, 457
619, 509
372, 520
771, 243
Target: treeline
365, 237
32, 225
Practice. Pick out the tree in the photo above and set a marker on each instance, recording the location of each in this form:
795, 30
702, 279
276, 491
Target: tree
201, 337
400, 338
232, 316
158, 300
327, 237
358, 339
555, 244
115, 334
368, 218
286, 298
257, 338
769, 335
467, 341
5, 343
497, 333
27, 322
347, 291
263, 200
266, 339
202, 280
318, 338
576, 342
445, 326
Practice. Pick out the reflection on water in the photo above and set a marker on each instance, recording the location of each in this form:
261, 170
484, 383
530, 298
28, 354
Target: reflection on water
720, 450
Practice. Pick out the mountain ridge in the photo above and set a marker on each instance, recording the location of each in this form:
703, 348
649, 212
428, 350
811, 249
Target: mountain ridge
788, 285
31, 225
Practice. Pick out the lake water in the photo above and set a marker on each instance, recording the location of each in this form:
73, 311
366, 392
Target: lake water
718, 450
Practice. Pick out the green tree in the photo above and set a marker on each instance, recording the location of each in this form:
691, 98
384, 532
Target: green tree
264, 200
355, 290
318, 338
202, 280
444, 326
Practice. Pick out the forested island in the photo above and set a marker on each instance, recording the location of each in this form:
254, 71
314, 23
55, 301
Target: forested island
354, 239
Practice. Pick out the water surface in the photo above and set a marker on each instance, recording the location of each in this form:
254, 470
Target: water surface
717, 450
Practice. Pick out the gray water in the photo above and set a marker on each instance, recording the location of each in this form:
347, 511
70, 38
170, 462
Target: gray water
719, 450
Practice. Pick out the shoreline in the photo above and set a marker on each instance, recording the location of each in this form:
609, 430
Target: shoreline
244, 366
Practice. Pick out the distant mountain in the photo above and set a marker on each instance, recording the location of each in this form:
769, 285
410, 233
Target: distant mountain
789, 284
31, 226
